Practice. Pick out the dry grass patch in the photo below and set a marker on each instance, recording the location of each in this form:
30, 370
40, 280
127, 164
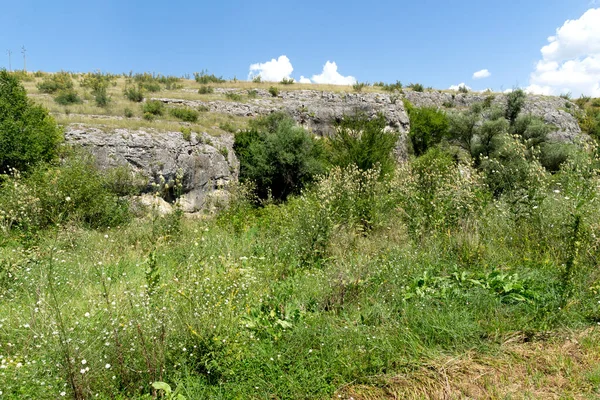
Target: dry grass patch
558, 368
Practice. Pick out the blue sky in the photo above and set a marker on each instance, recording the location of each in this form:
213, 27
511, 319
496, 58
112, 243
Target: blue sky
437, 43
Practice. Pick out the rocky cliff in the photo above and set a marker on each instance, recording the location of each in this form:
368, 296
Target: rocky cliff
205, 164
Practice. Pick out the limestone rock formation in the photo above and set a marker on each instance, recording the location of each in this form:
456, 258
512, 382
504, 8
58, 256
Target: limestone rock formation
197, 168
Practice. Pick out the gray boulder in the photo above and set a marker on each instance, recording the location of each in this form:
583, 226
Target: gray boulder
192, 170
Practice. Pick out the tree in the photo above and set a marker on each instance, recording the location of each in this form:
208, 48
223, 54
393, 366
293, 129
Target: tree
28, 134
278, 156
365, 143
428, 126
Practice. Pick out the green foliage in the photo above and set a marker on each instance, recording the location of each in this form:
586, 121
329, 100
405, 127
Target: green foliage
273, 91
186, 132
416, 87
287, 81
278, 156
463, 89
74, 191
28, 134
153, 107
435, 193
204, 78
514, 103
390, 87
428, 126
184, 114
98, 84
206, 90
128, 112
257, 79
60, 81
67, 97
233, 96
252, 93
134, 93
365, 143
359, 86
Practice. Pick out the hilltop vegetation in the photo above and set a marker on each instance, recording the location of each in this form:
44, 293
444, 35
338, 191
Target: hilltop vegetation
334, 272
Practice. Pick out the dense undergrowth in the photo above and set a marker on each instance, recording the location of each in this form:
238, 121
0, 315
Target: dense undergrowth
359, 273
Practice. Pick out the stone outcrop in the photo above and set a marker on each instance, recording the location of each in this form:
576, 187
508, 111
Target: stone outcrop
198, 168
204, 165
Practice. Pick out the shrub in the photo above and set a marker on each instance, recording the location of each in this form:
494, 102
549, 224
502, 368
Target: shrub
463, 89
252, 93
128, 112
204, 78
154, 107
287, 81
434, 193
186, 133
134, 93
75, 191
151, 87
184, 114
149, 116
274, 91
514, 103
68, 96
278, 156
416, 87
28, 134
392, 87
364, 142
428, 126
233, 96
98, 84
359, 86
55, 82
206, 90
257, 79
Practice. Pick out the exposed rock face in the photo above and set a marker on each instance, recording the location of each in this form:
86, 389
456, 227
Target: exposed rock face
317, 110
203, 165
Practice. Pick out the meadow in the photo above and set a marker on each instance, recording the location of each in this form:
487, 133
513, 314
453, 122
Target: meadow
465, 272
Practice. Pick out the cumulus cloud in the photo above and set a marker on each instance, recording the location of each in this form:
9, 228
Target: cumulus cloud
460, 85
330, 75
272, 71
304, 80
571, 59
484, 73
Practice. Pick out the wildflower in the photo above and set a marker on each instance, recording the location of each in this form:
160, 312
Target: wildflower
83, 362
82, 370
87, 314
63, 394
107, 366
67, 199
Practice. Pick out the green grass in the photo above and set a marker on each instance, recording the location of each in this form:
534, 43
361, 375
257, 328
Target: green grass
251, 304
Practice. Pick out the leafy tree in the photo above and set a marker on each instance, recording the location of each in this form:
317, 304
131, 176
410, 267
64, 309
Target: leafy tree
428, 126
278, 156
514, 103
365, 143
28, 134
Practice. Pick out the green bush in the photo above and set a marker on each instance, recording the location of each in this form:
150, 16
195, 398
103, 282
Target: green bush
204, 78
55, 82
514, 103
206, 90
28, 134
134, 93
274, 91
128, 112
153, 107
416, 87
75, 191
278, 156
428, 126
184, 114
98, 84
365, 143
359, 86
287, 81
233, 96
68, 96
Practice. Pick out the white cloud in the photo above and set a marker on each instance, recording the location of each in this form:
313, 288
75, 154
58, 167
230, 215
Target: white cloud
460, 85
272, 71
537, 89
484, 73
304, 80
330, 75
508, 91
571, 59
